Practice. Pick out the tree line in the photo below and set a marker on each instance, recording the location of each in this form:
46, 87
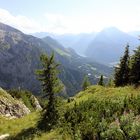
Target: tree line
127, 72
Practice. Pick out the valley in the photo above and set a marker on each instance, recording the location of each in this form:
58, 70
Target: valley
104, 47
69, 70
20, 58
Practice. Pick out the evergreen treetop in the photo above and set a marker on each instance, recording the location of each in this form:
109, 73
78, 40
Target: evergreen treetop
135, 67
122, 70
101, 81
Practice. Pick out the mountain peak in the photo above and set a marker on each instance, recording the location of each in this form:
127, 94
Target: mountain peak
111, 30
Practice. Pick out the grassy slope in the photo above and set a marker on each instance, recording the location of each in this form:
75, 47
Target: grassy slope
100, 92
114, 96
107, 113
15, 126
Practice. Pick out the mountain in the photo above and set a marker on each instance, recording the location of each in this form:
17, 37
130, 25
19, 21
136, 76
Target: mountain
42, 34
77, 65
105, 47
55, 45
108, 45
78, 42
59, 48
19, 58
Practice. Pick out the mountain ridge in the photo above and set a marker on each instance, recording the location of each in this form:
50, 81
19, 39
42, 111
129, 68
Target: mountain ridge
19, 58
103, 43
108, 45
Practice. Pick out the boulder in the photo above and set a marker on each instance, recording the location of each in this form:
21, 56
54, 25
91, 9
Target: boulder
11, 107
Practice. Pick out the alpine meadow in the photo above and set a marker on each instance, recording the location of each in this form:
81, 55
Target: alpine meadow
69, 70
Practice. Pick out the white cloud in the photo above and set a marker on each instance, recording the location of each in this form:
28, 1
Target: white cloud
88, 23
55, 23
126, 21
67, 24
58, 23
20, 22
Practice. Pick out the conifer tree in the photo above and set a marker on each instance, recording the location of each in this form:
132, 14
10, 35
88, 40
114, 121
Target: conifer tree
51, 85
101, 81
86, 83
121, 77
135, 67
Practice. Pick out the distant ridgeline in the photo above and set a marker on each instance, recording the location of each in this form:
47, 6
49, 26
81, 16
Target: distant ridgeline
106, 46
19, 58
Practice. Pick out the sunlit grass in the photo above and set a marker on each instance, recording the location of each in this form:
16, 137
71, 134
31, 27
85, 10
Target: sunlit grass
14, 126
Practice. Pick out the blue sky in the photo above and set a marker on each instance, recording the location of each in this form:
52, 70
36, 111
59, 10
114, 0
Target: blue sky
70, 16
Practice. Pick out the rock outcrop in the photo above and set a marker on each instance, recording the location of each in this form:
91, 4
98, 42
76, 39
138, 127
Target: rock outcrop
11, 107
36, 103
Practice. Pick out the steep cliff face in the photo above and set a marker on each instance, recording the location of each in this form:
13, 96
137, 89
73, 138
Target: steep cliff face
11, 107
19, 57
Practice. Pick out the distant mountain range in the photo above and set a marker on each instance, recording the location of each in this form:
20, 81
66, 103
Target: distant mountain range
108, 45
78, 42
19, 58
105, 47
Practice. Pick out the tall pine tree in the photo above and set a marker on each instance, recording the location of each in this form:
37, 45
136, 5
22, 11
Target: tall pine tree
135, 67
121, 77
51, 85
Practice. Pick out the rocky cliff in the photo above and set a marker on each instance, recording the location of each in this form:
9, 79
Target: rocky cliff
13, 108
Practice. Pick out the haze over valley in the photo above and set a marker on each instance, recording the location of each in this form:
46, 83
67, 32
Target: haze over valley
69, 70
105, 46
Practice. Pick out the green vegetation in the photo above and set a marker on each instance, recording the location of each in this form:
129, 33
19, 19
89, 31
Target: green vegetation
122, 71
101, 81
128, 71
135, 67
25, 96
110, 83
96, 113
61, 52
51, 85
104, 113
86, 83
15, 126
3, 93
